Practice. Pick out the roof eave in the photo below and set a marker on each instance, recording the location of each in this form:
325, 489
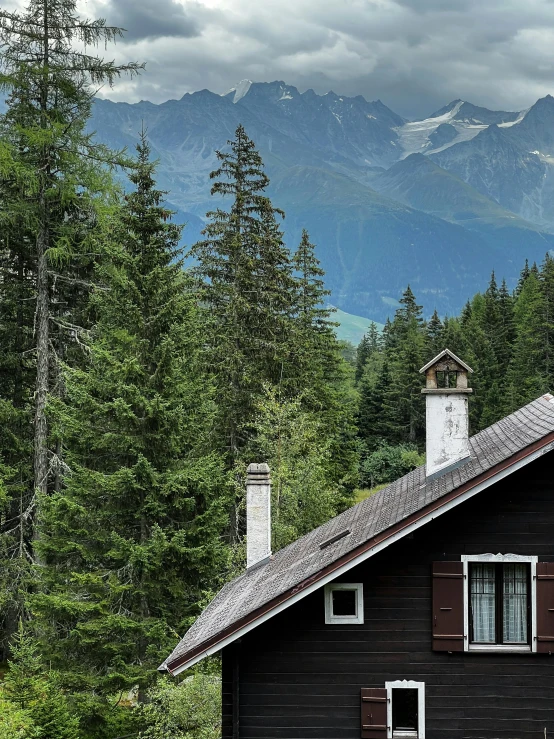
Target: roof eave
361, 553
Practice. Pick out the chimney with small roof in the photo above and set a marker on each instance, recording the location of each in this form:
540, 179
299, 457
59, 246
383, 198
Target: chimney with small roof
447, 413
258, 515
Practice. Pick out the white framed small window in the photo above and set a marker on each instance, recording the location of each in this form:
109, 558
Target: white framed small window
344, 603
405, 709
500, 612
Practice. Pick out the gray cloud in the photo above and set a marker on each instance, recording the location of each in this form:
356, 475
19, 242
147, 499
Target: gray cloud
416, 55
151, 19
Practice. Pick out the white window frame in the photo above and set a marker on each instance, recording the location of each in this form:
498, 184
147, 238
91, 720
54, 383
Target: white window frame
359, 617
501, 558
413, 684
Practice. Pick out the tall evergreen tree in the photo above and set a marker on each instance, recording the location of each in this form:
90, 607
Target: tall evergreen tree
134, 536
368, 346
246, 309
527, 376
316, 354
405, 356
52, 180
48, 154
547, 288
435, 331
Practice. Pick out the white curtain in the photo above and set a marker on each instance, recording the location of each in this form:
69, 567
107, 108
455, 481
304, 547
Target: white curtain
483, 586
515, 603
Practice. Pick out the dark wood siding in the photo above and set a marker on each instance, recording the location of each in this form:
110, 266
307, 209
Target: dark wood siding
301, 679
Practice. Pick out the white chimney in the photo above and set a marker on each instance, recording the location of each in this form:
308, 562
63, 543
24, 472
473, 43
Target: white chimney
447, 413
258, 514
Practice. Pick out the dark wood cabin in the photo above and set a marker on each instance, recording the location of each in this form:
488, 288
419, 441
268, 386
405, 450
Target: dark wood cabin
425, 612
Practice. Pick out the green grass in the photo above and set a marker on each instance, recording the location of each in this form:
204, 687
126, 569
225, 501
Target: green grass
352, 328
363, 493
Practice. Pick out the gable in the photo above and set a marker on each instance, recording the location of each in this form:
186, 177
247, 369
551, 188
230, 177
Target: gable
398, 510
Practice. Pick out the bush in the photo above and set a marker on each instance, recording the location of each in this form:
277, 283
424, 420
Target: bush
187, 710
16, 723
387, 463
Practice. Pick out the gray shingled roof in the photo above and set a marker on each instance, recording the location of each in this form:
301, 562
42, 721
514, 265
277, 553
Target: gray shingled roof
304, 558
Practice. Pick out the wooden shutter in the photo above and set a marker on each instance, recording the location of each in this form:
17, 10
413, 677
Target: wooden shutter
448, 607
374, 713
545, 607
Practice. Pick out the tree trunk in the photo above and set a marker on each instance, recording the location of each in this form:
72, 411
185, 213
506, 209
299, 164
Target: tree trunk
43, 349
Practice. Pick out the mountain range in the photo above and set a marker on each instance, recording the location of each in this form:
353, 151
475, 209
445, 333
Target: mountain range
437, 203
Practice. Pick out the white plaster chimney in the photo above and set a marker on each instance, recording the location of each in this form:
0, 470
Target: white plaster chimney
258, 514
447, 413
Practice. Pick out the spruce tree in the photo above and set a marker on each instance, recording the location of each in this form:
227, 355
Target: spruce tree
134, 536
405, 356
36, 692
435, 330
362, 355
320, 376
316, 351
368, 346
246, 311
527, 376
506, 327
547, 288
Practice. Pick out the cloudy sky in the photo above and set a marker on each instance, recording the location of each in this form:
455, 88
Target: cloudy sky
416, 55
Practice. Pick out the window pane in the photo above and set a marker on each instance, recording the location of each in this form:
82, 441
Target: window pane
344, 602
404, 709
515, 603
483, 586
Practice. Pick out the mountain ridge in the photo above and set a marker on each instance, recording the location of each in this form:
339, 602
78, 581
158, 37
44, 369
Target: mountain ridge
438, 202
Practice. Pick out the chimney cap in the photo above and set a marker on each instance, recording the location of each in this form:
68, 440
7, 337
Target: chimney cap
441, 355
258, 469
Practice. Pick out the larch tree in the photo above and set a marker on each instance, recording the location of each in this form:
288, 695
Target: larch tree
52, 184
50, 166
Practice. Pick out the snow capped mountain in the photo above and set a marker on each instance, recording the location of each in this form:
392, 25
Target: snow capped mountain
380, 195
239, 91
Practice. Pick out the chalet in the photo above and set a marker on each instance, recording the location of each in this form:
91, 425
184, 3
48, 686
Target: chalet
426, 610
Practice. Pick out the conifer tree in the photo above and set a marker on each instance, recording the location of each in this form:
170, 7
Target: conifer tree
316, 354
368, 346
36, 691
506, 326
362, 355
405, 356
134, 536
524, 274
547, 288
373, 427
246, 341
50, 179
527, 376
435, 330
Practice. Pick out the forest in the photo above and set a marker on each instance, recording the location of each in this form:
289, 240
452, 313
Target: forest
138, 378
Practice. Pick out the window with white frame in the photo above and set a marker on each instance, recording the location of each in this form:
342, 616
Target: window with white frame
499, 597
405, 709
344, 603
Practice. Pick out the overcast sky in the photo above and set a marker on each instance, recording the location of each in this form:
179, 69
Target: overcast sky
416, 55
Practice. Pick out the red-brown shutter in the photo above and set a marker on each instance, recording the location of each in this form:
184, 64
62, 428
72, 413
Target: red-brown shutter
374, 713
448, 607
545, 607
